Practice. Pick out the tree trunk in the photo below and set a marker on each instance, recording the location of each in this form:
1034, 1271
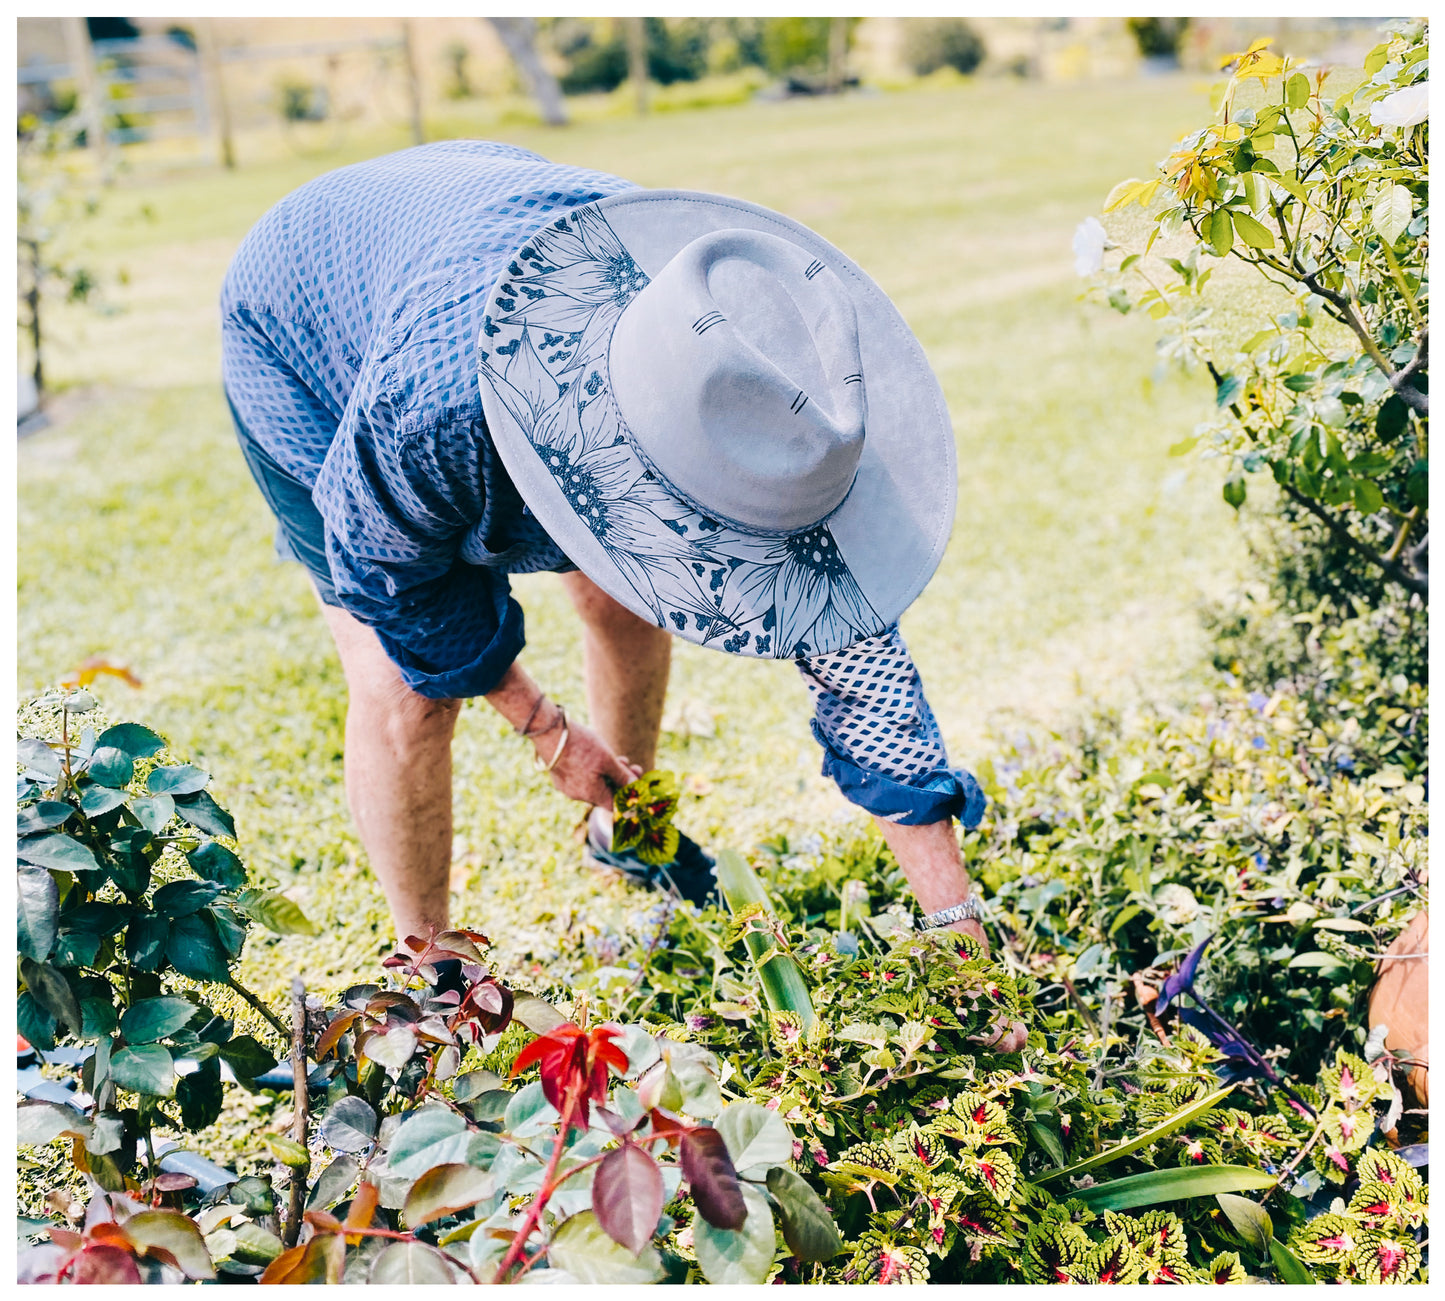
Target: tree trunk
32, 305
413, 83
837, 52
519, 35
216, 87
637, 60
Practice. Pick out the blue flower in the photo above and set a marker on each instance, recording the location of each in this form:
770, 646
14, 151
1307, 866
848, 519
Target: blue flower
1182, 980
1258, 743
1257, 701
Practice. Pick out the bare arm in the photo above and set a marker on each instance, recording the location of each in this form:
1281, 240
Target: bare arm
933, 863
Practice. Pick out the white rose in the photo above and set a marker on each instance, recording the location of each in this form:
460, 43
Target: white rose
1405, 108
1089, 242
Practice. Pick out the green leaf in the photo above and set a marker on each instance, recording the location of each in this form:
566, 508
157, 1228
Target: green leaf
202, 812
1140, 1141
1302, 382
1155, 1186
111, 767
1251, 1221
742, 1255
37, 912
33, 1022
411, 1264
784, 987
64, 853
97, 1018
1235, 490
445, 1190
583, 1250
1323, 961
131, 739
246, 1057
287, 1150
145, 942
155, 1018
182, 898
332, 1184
1297, 91
183, 779
201, 1096
429, 1137
154, 813
1391, 213
172, 1235
1182, 446
38, 757
1417, 484
1392, 418
756, 1138
194, 949
1291, 1268
537, 1014
1219, 232
1046, 1138
275, 912
1368, 497
42, 816
144, 1068
1227, 390
52, 991
1251, 232
1126, 915
349, 1124
254, 1245
217, 863
76, 949
100, 799
107, 1134
808, 1229
37, 1123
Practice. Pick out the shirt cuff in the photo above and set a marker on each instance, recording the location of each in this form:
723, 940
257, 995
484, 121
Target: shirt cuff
476, 678
932, 797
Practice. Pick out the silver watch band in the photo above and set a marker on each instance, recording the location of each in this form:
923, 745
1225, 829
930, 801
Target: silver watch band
969, 910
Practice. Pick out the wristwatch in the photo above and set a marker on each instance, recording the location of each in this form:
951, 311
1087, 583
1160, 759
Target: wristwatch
971, 909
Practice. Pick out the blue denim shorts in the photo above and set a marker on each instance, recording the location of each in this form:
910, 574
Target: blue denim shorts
300, 531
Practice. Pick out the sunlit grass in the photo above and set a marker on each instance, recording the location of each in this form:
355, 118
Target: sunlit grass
1079, 551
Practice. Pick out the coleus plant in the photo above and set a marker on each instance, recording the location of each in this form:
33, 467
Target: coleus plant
642, 813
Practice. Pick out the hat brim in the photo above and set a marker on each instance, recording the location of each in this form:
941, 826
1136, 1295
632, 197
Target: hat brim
546, 397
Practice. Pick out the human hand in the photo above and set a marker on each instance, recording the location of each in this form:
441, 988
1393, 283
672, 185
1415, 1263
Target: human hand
586, 770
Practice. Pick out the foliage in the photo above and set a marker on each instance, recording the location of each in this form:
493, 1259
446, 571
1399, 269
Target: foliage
51, 196
130, 903
1325, 199
1158, 37
642, 817
933, 43
596, 51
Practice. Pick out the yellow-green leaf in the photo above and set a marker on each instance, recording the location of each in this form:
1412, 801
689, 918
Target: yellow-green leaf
1251, 232
1392, 212
1297, 91
1220, 231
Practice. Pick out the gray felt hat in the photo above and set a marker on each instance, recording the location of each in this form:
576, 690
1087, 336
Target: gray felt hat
721, 420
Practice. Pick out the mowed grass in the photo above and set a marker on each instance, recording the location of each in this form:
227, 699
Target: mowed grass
1078, 556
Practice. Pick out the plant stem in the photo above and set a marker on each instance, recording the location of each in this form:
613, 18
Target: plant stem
544, 1193
1299, 1156
299, 1106
273, 1020
1392, 568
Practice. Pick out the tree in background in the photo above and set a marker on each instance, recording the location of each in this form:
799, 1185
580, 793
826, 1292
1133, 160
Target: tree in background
519, 35
933, 43
1158, 38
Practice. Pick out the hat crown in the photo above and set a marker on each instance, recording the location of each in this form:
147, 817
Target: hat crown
737, 375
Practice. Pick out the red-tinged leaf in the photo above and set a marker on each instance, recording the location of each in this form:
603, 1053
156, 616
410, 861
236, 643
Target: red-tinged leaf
65, 1238
363, 1205
668, 1126
323, 1221
104, 1264
627, 1197
454, 944
617, 1123
709, 1171
559, 1040
173, 1238
319, 1261
389, 1000
109, 1233
340, 1024
171, 1183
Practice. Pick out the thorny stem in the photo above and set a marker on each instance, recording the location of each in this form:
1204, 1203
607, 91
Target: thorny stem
271, 1018
544, 1193
300, 1103
1399, 278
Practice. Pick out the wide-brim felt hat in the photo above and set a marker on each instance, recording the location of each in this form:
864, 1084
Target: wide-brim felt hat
721, 420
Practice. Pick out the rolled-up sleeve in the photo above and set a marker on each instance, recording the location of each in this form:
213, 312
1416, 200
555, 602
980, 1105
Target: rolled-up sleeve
881, 742
398, 494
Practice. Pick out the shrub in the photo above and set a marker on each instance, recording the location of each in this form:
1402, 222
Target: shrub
1157, 37
933, 43
1323, 198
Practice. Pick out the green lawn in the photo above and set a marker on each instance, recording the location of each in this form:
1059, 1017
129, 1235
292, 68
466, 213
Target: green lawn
1079, 553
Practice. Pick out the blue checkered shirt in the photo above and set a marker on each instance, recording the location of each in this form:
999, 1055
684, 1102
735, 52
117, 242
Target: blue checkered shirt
349, 323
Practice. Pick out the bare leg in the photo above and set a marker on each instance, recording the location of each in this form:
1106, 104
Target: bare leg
398, 778
625, 663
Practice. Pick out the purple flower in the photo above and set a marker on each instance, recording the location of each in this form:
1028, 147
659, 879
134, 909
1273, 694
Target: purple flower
1182, 981
1257, 701
1242, 1057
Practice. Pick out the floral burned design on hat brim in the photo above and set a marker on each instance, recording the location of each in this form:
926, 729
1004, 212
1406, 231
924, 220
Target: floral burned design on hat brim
543, 353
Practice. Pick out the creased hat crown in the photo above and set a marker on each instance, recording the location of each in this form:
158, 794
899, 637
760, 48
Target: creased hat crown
737, 376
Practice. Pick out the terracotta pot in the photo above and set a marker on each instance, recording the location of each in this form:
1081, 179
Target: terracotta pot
1401, 1000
